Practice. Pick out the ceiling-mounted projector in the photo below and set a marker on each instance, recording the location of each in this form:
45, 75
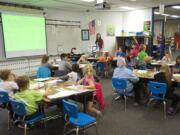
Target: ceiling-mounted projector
102, 6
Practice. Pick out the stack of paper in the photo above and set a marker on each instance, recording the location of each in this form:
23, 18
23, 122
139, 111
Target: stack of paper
41, 79
62, 93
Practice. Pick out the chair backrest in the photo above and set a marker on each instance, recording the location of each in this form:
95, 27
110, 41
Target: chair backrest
70, 109
119, 83
43, 72
18, 108
157, 88
4, 98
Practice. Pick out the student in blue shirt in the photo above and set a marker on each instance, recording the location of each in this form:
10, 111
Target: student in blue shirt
122, 72
44, 70
120, 53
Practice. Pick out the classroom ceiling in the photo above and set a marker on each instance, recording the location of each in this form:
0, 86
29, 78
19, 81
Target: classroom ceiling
79, 5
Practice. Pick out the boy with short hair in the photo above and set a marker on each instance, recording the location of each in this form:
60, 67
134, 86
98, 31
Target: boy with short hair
29, 97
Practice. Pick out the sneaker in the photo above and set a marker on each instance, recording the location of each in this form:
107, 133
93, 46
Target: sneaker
171, 111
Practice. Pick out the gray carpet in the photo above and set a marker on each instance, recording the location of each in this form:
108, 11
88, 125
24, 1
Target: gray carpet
139, 120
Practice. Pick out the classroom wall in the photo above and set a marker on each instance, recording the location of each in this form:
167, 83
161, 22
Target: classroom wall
133, 21
103, 19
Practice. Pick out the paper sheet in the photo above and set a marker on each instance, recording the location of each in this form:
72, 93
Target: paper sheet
41, 79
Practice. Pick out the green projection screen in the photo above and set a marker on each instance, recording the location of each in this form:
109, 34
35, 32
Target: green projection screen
24, 35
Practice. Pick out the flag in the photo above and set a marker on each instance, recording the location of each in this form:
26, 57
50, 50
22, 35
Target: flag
92, 27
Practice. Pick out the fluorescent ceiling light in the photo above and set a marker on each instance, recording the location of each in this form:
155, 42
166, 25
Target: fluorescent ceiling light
100, 1
156, 13
128, 8
176, 7
87, 0
165, 14
175, 16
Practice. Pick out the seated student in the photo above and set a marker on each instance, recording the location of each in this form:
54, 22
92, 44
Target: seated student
89, 82
44, 70
29, 97
74, 75
106, 57
176, 68
122, 72
142, 54
164, 76
120, 53
83, 60
64, 64
7, 82
167, 58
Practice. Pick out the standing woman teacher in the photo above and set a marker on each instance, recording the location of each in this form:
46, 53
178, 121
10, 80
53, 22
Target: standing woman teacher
99, 42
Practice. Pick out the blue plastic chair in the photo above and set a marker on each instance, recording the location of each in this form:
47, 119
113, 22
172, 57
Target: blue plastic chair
43, 72
20, 114
158, 92
120, 86
79, 120
4, 100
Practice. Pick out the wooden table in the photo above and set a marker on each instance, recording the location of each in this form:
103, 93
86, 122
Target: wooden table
176, 78
92, 59
158, 63
58, 90
145, 74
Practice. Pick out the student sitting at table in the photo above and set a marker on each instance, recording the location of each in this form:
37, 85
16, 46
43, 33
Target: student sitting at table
74, 75
164, 76
64, 64
106, 57
120, 53
167, 58
122, 72
142, 54
29, 97
88, 82
7, 83
83, 60
44, 70
176, 68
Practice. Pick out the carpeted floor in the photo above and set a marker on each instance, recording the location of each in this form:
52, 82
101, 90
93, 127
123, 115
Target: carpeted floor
138, 120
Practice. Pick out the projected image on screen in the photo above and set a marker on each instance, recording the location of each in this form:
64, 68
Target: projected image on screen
24, 35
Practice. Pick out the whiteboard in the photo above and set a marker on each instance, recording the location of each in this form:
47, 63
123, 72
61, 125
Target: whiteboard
62, 38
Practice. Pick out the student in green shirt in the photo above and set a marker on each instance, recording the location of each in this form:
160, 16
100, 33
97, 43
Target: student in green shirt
29, 97
142, 54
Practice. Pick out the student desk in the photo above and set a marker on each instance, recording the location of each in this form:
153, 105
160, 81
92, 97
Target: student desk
92, 59
158, 63
59, 90
144, 74
176, 78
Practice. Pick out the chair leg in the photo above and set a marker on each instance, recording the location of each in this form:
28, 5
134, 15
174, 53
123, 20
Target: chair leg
125, 99
25, 129
77, 131
64, 131
8, 120
97, 133
164, 102
44, 122
150, 100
